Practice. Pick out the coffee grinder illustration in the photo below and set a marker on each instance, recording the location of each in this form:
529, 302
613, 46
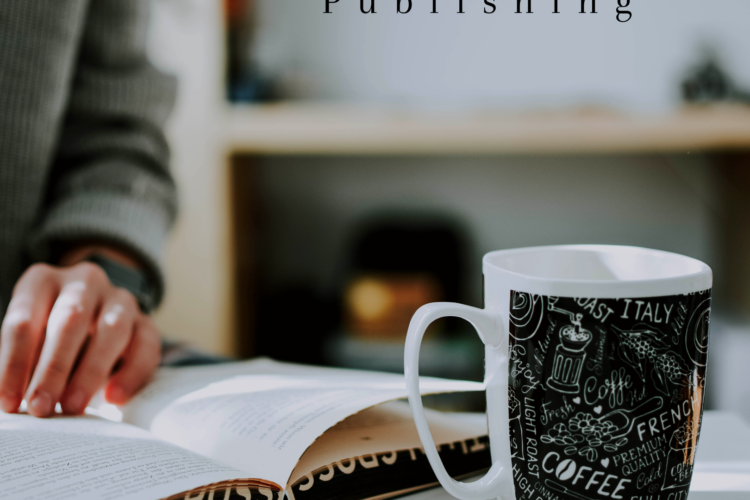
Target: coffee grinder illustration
569, 357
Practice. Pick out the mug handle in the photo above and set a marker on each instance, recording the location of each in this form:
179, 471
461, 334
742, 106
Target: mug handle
489, 326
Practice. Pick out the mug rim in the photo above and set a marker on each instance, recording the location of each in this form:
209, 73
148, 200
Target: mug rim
704, 273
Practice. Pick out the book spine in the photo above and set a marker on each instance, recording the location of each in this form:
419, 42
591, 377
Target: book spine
386, 474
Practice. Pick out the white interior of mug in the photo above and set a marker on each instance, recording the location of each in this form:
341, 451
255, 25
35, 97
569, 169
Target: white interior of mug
595, 263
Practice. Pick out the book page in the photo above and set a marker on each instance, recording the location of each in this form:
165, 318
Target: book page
94, 459
261, 416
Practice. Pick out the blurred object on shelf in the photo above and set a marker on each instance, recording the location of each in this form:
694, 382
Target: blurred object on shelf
244, 81
709, 82
432, 246
381, 306
397, 263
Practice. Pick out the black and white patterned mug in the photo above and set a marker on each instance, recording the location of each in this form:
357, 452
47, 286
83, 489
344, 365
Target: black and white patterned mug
595, 373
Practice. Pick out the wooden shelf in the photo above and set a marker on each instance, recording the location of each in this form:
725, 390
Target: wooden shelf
311, 129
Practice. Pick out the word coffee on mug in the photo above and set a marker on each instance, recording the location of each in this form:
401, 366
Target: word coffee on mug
595, 373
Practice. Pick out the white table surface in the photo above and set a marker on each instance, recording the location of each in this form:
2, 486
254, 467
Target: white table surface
722, 468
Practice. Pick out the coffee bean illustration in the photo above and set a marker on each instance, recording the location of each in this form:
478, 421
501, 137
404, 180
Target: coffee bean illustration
565, 469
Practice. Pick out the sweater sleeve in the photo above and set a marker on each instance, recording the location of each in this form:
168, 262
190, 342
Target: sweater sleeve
110, 180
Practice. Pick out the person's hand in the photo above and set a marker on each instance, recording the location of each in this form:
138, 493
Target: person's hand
67, 333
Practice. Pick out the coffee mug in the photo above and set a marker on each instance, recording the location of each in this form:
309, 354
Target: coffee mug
595, 362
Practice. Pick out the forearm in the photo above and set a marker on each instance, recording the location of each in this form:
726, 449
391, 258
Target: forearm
110, 185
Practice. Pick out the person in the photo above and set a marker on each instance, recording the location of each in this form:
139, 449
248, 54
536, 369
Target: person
86, 200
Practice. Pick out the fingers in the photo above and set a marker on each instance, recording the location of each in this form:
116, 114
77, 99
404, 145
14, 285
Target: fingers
65, 329
114, 330
22, 333
69, 323
139, 362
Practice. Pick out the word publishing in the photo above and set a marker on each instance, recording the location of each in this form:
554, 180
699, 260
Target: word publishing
489, 6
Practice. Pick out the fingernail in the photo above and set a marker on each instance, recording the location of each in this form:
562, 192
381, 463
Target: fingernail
76, 403
41, 405
117, 395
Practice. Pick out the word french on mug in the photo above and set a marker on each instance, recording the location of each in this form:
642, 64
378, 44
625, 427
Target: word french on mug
595, 372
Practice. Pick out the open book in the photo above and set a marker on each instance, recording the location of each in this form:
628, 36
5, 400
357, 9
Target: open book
254, 430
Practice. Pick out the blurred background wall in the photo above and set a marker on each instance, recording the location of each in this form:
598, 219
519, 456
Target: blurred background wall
283, 193
503, 59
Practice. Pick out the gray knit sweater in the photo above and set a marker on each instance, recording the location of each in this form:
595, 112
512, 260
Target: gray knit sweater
82, 155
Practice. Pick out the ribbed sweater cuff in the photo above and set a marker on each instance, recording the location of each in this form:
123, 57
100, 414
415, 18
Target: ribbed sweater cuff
109, 217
